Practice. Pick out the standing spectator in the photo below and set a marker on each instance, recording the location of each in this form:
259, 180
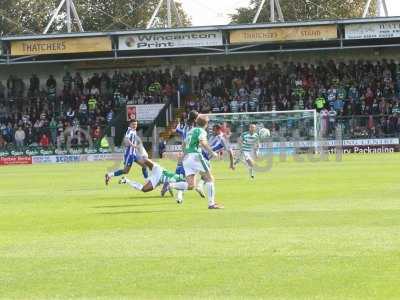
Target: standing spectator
92, 103
2, 93
67, 80
20, 138
78, 82
51, 85
161, 147
34, 86
53, 131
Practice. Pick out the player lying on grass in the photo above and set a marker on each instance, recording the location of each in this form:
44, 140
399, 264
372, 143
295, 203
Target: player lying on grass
157, 176
248, 145
217, 142
194, 162
134, 152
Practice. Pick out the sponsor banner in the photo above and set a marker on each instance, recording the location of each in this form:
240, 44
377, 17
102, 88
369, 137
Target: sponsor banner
170, 40
304, 33
61, 46
310, 144
147, 112
375, 149
16, 160
4, 153
372, 31
60, 159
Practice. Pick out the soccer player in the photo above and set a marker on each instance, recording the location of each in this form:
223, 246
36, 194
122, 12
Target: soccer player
134, 152
217, 143
194, 162
157, 176
183, 131
248, 144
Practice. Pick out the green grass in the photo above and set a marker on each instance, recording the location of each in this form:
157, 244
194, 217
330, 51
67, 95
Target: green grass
323, 230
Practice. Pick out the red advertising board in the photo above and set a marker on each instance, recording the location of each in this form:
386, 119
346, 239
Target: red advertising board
16, 160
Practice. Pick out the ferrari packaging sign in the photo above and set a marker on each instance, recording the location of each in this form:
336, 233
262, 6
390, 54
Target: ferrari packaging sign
170, 40
61, 46
372, 31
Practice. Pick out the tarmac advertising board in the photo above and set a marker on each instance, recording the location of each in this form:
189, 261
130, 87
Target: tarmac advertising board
284, 34
61, 46
372, 31
170, 40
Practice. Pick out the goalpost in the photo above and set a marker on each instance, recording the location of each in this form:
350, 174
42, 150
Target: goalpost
291, 131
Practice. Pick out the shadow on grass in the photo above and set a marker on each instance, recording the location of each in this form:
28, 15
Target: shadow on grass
133, 205
134, 212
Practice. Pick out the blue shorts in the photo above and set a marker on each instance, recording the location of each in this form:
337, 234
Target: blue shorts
129, 159
180, 170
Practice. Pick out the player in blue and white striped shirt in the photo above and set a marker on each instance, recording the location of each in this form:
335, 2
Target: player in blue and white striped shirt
134, 152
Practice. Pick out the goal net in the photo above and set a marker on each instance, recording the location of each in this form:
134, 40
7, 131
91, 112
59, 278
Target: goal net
287, 131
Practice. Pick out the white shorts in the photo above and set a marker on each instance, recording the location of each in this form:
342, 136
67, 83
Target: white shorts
194, 163
141, 153
155, 175
248, 155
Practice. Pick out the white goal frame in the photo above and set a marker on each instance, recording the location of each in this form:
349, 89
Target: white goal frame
280, 112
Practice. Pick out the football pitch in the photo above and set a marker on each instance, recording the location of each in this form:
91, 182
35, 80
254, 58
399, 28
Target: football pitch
323, 230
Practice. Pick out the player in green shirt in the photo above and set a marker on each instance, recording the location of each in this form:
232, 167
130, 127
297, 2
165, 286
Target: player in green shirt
249, 143
194, 162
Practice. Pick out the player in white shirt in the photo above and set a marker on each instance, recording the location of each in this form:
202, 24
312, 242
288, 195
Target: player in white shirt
249, 144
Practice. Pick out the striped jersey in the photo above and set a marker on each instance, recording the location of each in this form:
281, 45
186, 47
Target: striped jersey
249, 141
183, 130
132, 137
217, 143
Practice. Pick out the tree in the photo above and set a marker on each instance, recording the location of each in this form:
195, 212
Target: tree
297, 10
32, 16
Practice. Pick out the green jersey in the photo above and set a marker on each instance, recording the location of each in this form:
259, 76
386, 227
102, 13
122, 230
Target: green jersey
168, 176
193, 138
249, 141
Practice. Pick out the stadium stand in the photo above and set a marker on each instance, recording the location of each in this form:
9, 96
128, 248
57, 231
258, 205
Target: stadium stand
362, 95
48, 108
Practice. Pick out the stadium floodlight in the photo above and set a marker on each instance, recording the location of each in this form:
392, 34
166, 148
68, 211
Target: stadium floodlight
379, 5
171, 6
273, 4
70, 7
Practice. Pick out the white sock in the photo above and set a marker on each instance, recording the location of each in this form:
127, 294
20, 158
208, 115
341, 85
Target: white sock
179, 196
210, 193
183, 186
200, 185
136, 185
251, 171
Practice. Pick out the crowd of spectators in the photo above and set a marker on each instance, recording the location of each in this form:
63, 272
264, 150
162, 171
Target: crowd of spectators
339, 91
362, 96
35, 113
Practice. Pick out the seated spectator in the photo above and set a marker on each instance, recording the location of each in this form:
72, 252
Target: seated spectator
44, 141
